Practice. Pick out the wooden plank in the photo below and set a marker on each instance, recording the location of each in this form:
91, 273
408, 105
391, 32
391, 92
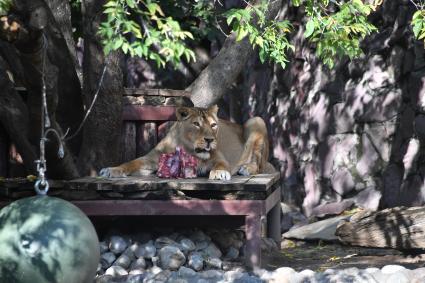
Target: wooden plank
146, 138
149, 113
151, 182
156, 92
163, 129
128, 144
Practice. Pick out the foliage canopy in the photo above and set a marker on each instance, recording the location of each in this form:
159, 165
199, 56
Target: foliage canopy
165, 30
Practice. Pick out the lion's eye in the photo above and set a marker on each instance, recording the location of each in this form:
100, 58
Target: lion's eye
196, 124
213, 125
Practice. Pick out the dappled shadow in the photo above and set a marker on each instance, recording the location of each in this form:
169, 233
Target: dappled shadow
399, 228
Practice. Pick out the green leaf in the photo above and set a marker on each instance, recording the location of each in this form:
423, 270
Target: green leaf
241, 33
118, 43
309, 28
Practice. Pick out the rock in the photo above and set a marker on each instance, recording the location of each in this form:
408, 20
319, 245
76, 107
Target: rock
368, 164
136, 278
333, 208
187, 245
198, 236
171, 258
282, 275
312, 188
136, 271
343, 119
268, 245
129, 252
232, 276
196, 261
212, 274
232, 254
147, 250
104, 279
342, 181
107, 259
162, 276
418, 275
368, 198
411, 155
200, 245
139, 263
123, 260
212, 251
164, 241
117, 244
116, 270
246, 278
321, 230
398, 277
213, 262
389, 269
186, 272
103, 247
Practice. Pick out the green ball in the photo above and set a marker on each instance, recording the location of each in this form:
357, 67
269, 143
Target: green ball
46, 239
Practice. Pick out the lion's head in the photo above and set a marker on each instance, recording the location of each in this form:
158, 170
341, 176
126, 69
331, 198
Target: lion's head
198, 129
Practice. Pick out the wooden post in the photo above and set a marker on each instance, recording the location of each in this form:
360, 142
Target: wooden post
273, 223
129, 141
253, 240
146, 138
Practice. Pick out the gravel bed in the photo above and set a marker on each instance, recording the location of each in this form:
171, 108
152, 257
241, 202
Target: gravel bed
215, 256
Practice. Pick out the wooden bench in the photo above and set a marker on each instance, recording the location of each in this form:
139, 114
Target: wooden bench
256, 198
146, 118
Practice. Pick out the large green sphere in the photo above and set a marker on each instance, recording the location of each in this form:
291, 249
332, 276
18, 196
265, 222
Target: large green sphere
46, 239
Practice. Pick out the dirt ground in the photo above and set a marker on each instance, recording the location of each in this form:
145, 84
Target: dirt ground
320, 256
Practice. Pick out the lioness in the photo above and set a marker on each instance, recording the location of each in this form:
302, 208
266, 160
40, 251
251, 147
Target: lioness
223, 148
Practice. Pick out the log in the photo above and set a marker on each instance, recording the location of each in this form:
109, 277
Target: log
398, 227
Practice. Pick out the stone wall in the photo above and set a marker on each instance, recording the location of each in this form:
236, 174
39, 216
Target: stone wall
352, 135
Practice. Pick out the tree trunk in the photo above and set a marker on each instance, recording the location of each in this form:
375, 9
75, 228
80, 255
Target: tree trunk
40, 42
14, 118
102, 130
224, 69
399, 228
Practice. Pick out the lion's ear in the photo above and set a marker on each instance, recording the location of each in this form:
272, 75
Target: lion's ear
182, 113
213, 109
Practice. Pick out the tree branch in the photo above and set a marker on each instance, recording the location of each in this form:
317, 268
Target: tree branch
222, 72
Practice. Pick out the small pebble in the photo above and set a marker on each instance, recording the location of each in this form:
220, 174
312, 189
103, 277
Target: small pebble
389, 269
214, 262
117, 244
171, 258
196, 261
116, 270
139, 263
147, 250
107, 259
123, 260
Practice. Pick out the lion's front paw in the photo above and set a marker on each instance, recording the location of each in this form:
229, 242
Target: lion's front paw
220, 175
248, 170
112, 172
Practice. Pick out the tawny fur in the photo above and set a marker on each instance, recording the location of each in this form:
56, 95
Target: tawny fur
222, 148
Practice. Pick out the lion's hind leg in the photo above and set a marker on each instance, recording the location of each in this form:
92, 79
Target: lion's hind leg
256, 148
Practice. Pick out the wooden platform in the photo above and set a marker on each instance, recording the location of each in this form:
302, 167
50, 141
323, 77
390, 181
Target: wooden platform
256, 198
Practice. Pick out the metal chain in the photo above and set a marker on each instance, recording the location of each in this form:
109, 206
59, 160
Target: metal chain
42, 185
